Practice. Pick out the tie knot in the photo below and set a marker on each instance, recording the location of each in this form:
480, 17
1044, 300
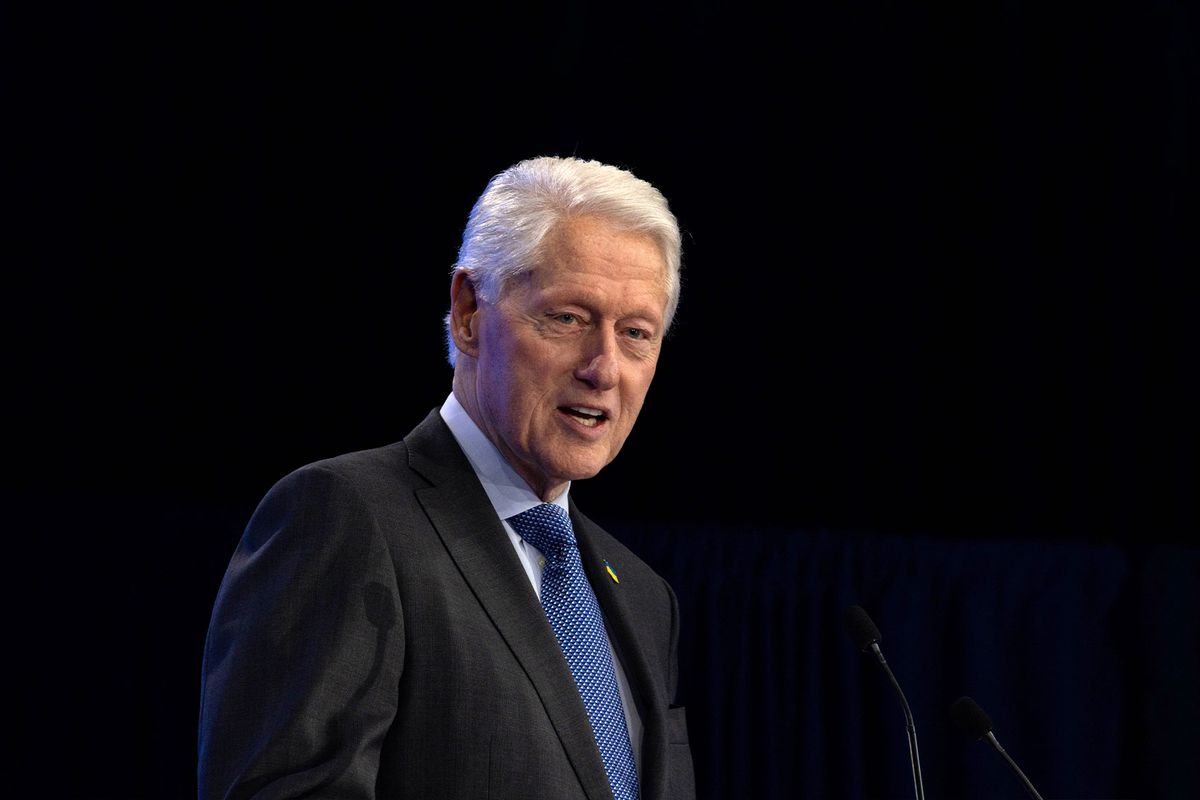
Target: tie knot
547, 527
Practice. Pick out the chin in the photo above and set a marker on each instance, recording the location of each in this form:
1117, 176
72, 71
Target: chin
581, 471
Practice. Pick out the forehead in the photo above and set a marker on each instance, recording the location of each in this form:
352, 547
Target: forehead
585, 251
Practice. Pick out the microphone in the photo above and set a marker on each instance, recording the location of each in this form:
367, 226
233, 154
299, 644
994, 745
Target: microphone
866, 637
976, 724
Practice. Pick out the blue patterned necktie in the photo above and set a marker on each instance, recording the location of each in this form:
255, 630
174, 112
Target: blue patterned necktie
570, 605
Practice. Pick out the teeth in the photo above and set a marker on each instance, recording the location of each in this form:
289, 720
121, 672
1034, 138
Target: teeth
589, 417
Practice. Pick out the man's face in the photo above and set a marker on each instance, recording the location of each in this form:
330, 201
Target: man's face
567, 353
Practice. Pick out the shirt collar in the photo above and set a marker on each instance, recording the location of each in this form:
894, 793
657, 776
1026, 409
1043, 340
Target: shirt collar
508, 491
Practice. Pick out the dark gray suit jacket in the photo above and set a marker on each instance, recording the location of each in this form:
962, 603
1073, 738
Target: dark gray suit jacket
375, 636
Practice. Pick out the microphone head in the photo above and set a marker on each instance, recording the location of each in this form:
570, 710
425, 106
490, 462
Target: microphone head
862, 631
972, 719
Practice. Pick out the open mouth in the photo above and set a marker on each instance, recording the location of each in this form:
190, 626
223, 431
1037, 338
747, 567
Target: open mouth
588, 417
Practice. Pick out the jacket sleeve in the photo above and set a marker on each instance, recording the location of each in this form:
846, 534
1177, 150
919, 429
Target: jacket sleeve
304, 651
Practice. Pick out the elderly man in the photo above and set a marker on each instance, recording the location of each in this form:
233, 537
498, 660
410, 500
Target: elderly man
436, 618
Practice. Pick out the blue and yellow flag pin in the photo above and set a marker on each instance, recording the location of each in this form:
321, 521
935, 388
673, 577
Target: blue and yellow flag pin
611, 573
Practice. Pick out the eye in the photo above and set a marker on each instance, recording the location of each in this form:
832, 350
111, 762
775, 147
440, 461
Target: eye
636, 333
566, 318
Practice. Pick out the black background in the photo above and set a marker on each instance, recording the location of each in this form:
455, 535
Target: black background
937, 281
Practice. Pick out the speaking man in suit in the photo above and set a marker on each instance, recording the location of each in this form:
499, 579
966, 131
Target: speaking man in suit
436, 618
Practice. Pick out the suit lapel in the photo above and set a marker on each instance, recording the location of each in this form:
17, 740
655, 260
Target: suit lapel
465, 520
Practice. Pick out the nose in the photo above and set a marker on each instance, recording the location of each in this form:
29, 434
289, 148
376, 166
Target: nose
600, 365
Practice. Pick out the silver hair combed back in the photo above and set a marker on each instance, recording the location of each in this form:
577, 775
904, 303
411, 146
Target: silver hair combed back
523, 203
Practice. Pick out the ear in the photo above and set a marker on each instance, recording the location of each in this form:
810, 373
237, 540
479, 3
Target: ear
464, 313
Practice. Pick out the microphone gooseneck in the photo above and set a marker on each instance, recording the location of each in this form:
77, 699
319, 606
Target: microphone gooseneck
866, 637
975, 723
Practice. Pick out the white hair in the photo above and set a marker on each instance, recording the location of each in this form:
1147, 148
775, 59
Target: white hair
522, 204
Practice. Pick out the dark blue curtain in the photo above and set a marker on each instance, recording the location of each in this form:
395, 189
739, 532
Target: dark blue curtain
1084, 657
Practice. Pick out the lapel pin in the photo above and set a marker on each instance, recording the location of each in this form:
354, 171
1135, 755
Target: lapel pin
611, 573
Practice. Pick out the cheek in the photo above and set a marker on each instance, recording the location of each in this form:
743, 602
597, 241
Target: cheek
639, 384
631, 405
